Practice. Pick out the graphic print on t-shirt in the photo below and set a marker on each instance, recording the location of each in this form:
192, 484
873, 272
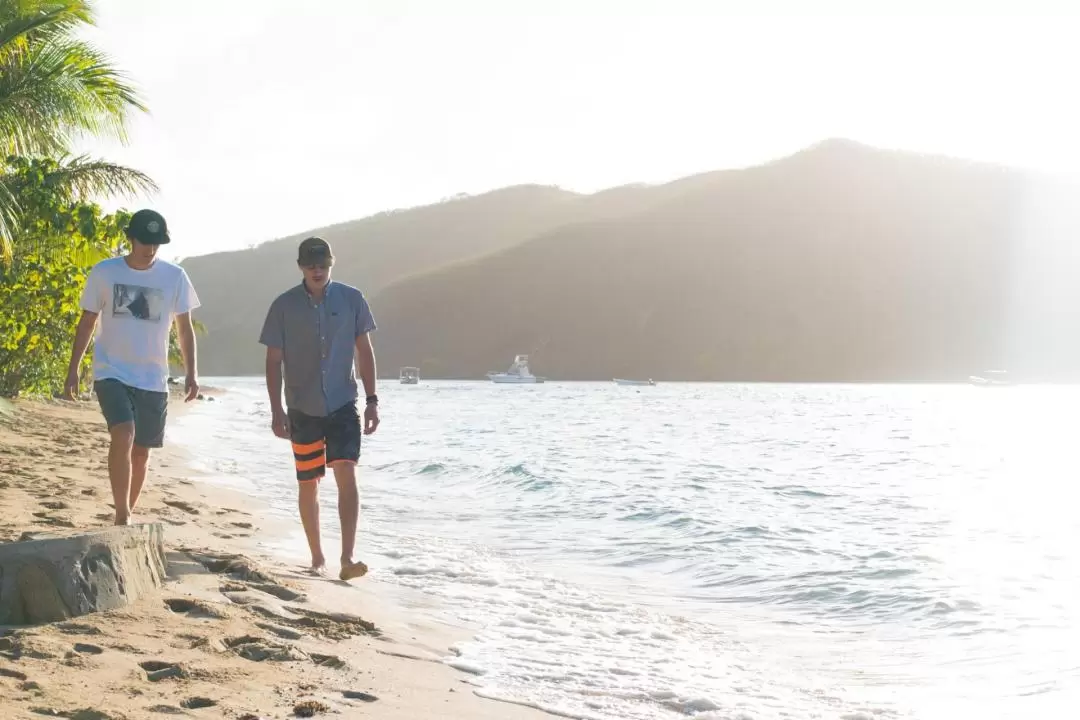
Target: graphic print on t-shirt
141, 303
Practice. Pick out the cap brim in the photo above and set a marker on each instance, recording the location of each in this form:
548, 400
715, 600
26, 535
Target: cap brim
155, 240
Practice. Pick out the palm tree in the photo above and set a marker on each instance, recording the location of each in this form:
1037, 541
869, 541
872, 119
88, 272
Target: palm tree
54, 89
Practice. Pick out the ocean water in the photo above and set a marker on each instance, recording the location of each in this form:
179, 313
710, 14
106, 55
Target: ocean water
718, 551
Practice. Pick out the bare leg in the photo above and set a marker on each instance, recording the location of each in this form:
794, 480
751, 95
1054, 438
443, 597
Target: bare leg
309, 516
349, 515
140, 460
121, 439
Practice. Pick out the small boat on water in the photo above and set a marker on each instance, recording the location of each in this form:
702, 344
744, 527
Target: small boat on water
622, 381
410, 376
995, 378
518, 374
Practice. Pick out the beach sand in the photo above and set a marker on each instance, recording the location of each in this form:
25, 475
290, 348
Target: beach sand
238, 634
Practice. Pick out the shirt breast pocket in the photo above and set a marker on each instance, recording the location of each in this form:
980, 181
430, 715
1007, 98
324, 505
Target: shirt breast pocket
341, 326
301, 331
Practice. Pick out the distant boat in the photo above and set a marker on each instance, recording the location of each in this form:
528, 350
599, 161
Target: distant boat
518, 374
621, 381
998, 378
410, 376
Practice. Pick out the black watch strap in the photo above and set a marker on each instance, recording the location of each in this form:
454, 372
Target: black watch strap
372, 399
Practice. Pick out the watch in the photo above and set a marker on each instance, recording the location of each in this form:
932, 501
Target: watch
372, 399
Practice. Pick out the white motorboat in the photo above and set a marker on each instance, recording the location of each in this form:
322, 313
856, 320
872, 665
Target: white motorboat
997, 378
410, 376
622, 381
518, 374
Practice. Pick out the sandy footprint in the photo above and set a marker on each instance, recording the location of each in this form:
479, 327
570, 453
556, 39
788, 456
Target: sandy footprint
55, 520
237, 567
197, 703
359, 695
280, 592
88, 649
333, 625
258, 649
282, 632
309, 708
78, 629
195, 608
329, 661
14, 674
182, 505
158, 670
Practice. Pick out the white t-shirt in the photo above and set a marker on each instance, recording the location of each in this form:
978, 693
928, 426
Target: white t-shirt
135, 311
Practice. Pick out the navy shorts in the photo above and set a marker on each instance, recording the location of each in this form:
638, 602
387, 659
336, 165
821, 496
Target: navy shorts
318, 441
147, 409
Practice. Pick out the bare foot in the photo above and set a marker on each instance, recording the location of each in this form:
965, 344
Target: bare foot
122, 520
351, 570
318, 566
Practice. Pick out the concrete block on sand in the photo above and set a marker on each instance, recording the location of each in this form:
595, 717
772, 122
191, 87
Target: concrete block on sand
56, 578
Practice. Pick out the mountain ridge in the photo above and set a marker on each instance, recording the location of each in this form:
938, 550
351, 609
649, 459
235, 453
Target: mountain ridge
787, 226
839, 262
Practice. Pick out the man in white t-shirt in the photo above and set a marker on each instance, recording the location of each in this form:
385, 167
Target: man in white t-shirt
136, 298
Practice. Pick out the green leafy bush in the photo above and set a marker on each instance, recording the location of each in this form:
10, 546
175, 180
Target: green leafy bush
59, 241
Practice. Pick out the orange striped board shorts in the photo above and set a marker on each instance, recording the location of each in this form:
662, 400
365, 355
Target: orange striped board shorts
318, 441
310, 460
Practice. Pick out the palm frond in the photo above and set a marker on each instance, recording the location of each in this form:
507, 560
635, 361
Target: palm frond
9, 210
70, 181
58, 89
22, 21
82, 178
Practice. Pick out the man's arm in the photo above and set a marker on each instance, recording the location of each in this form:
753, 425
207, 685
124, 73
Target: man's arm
365, 355
365, 360
186, 331
83, 333
279, 421
365, 363
273, 337
274, 357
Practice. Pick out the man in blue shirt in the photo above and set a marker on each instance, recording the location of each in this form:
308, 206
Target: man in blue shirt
314, 331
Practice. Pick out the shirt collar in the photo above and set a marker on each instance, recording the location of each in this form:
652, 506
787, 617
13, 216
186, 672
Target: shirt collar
307, 293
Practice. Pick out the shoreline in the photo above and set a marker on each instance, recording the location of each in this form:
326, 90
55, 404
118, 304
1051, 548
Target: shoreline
680, 382
253, 636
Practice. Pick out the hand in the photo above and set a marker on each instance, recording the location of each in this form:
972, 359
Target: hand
371, 419
279, 423
191, 385
71, 385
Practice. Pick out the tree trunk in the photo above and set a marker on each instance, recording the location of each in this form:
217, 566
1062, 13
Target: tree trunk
57, 578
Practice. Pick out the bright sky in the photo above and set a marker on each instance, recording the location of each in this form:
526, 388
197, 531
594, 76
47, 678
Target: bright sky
271, 117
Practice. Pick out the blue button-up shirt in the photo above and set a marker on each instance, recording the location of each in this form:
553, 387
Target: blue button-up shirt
318, 341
